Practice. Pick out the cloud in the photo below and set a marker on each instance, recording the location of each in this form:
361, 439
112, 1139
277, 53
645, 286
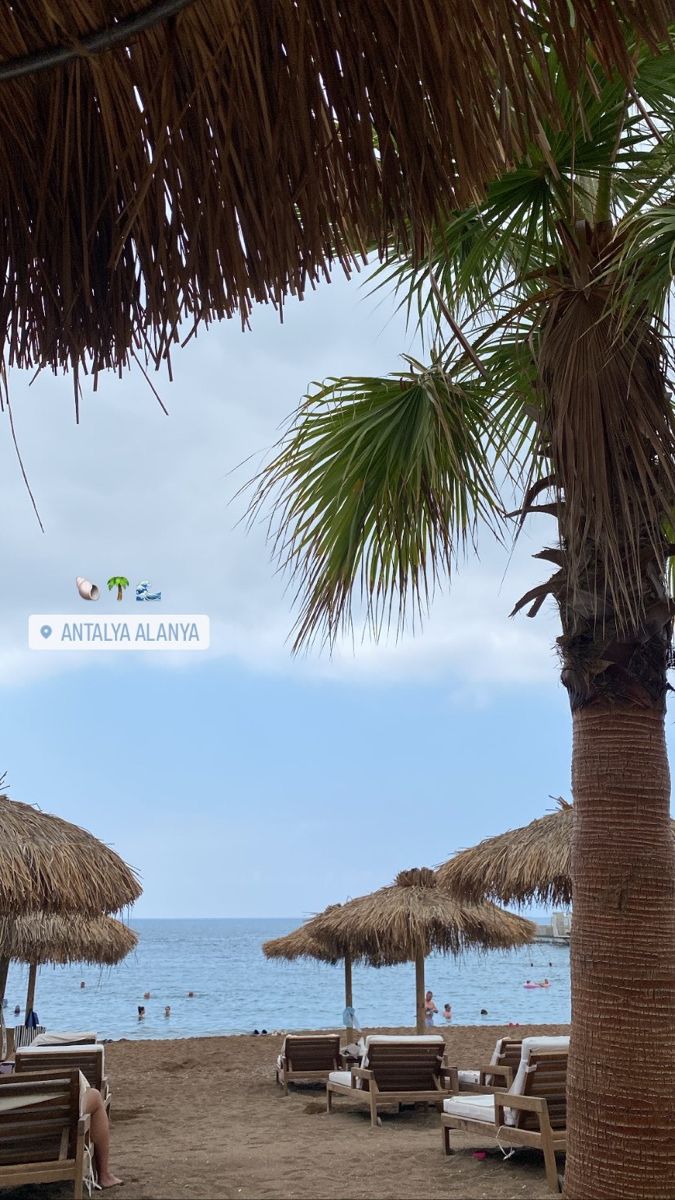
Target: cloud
131, 491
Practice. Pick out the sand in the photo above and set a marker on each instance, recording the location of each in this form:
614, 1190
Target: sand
203, 1118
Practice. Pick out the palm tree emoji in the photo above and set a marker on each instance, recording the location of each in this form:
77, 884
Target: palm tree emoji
119, 582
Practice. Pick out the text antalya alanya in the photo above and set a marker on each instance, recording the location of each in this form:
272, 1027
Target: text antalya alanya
118, 631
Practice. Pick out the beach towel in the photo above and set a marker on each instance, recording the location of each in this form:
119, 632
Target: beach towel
349, 1019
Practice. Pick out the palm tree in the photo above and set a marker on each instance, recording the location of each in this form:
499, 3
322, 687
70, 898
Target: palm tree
120, 582
549, 372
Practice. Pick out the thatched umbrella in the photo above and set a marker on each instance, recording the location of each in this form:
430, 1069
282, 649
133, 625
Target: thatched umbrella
412, 918
299, 944
519, 866
170, 159
50, 865
305, 942
39, 938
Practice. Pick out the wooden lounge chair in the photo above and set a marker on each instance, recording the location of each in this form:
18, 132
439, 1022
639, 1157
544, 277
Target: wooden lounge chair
88, 1059
395, 1070
496, 1075
24, 1035
307, 1059
43, 1138
533, 1112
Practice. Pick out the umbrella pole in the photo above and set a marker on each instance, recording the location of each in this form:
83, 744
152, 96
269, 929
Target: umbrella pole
4, 968
419, 988
30, 995
349, 999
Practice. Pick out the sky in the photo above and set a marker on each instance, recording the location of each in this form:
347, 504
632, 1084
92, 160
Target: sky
246, 781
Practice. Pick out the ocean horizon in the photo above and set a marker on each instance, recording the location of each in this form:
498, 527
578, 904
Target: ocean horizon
238, 990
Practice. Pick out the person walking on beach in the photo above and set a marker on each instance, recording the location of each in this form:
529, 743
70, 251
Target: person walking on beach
429, 1009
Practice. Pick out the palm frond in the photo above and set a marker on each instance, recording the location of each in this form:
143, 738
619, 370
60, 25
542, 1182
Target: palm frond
378, 485
645, 262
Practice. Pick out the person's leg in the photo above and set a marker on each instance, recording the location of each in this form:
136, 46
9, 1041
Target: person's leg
100, 1136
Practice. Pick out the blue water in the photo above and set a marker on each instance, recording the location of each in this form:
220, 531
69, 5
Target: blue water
237, 989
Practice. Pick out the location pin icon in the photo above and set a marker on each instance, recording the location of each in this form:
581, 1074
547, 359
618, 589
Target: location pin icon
46, 631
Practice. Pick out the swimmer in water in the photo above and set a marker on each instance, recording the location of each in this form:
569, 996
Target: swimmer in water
429, 1009
190, 995
82, 983
167, 1010
147, 996
447, 1011
141, 1012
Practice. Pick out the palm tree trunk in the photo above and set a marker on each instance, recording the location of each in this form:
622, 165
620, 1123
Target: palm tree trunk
621, 1085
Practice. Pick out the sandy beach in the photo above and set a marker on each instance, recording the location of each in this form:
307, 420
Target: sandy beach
203, 1119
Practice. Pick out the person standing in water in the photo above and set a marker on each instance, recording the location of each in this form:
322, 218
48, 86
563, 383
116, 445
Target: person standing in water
429, 1009
447, 1011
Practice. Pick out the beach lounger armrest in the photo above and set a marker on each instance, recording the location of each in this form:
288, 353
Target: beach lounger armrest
361, 1073
503, 1074
450, 1078
83, 1125
533, 1104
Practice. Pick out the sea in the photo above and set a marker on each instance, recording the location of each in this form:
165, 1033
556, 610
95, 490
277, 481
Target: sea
236, 989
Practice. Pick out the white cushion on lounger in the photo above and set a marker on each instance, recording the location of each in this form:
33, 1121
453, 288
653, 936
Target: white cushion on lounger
64, 1039
96, 1048
476, 1108
468, 1076
343, 1077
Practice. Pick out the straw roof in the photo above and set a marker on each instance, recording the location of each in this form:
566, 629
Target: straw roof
299, 944
519, 866
391, 924
307, 941
49, 864
49, 938
182, 159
